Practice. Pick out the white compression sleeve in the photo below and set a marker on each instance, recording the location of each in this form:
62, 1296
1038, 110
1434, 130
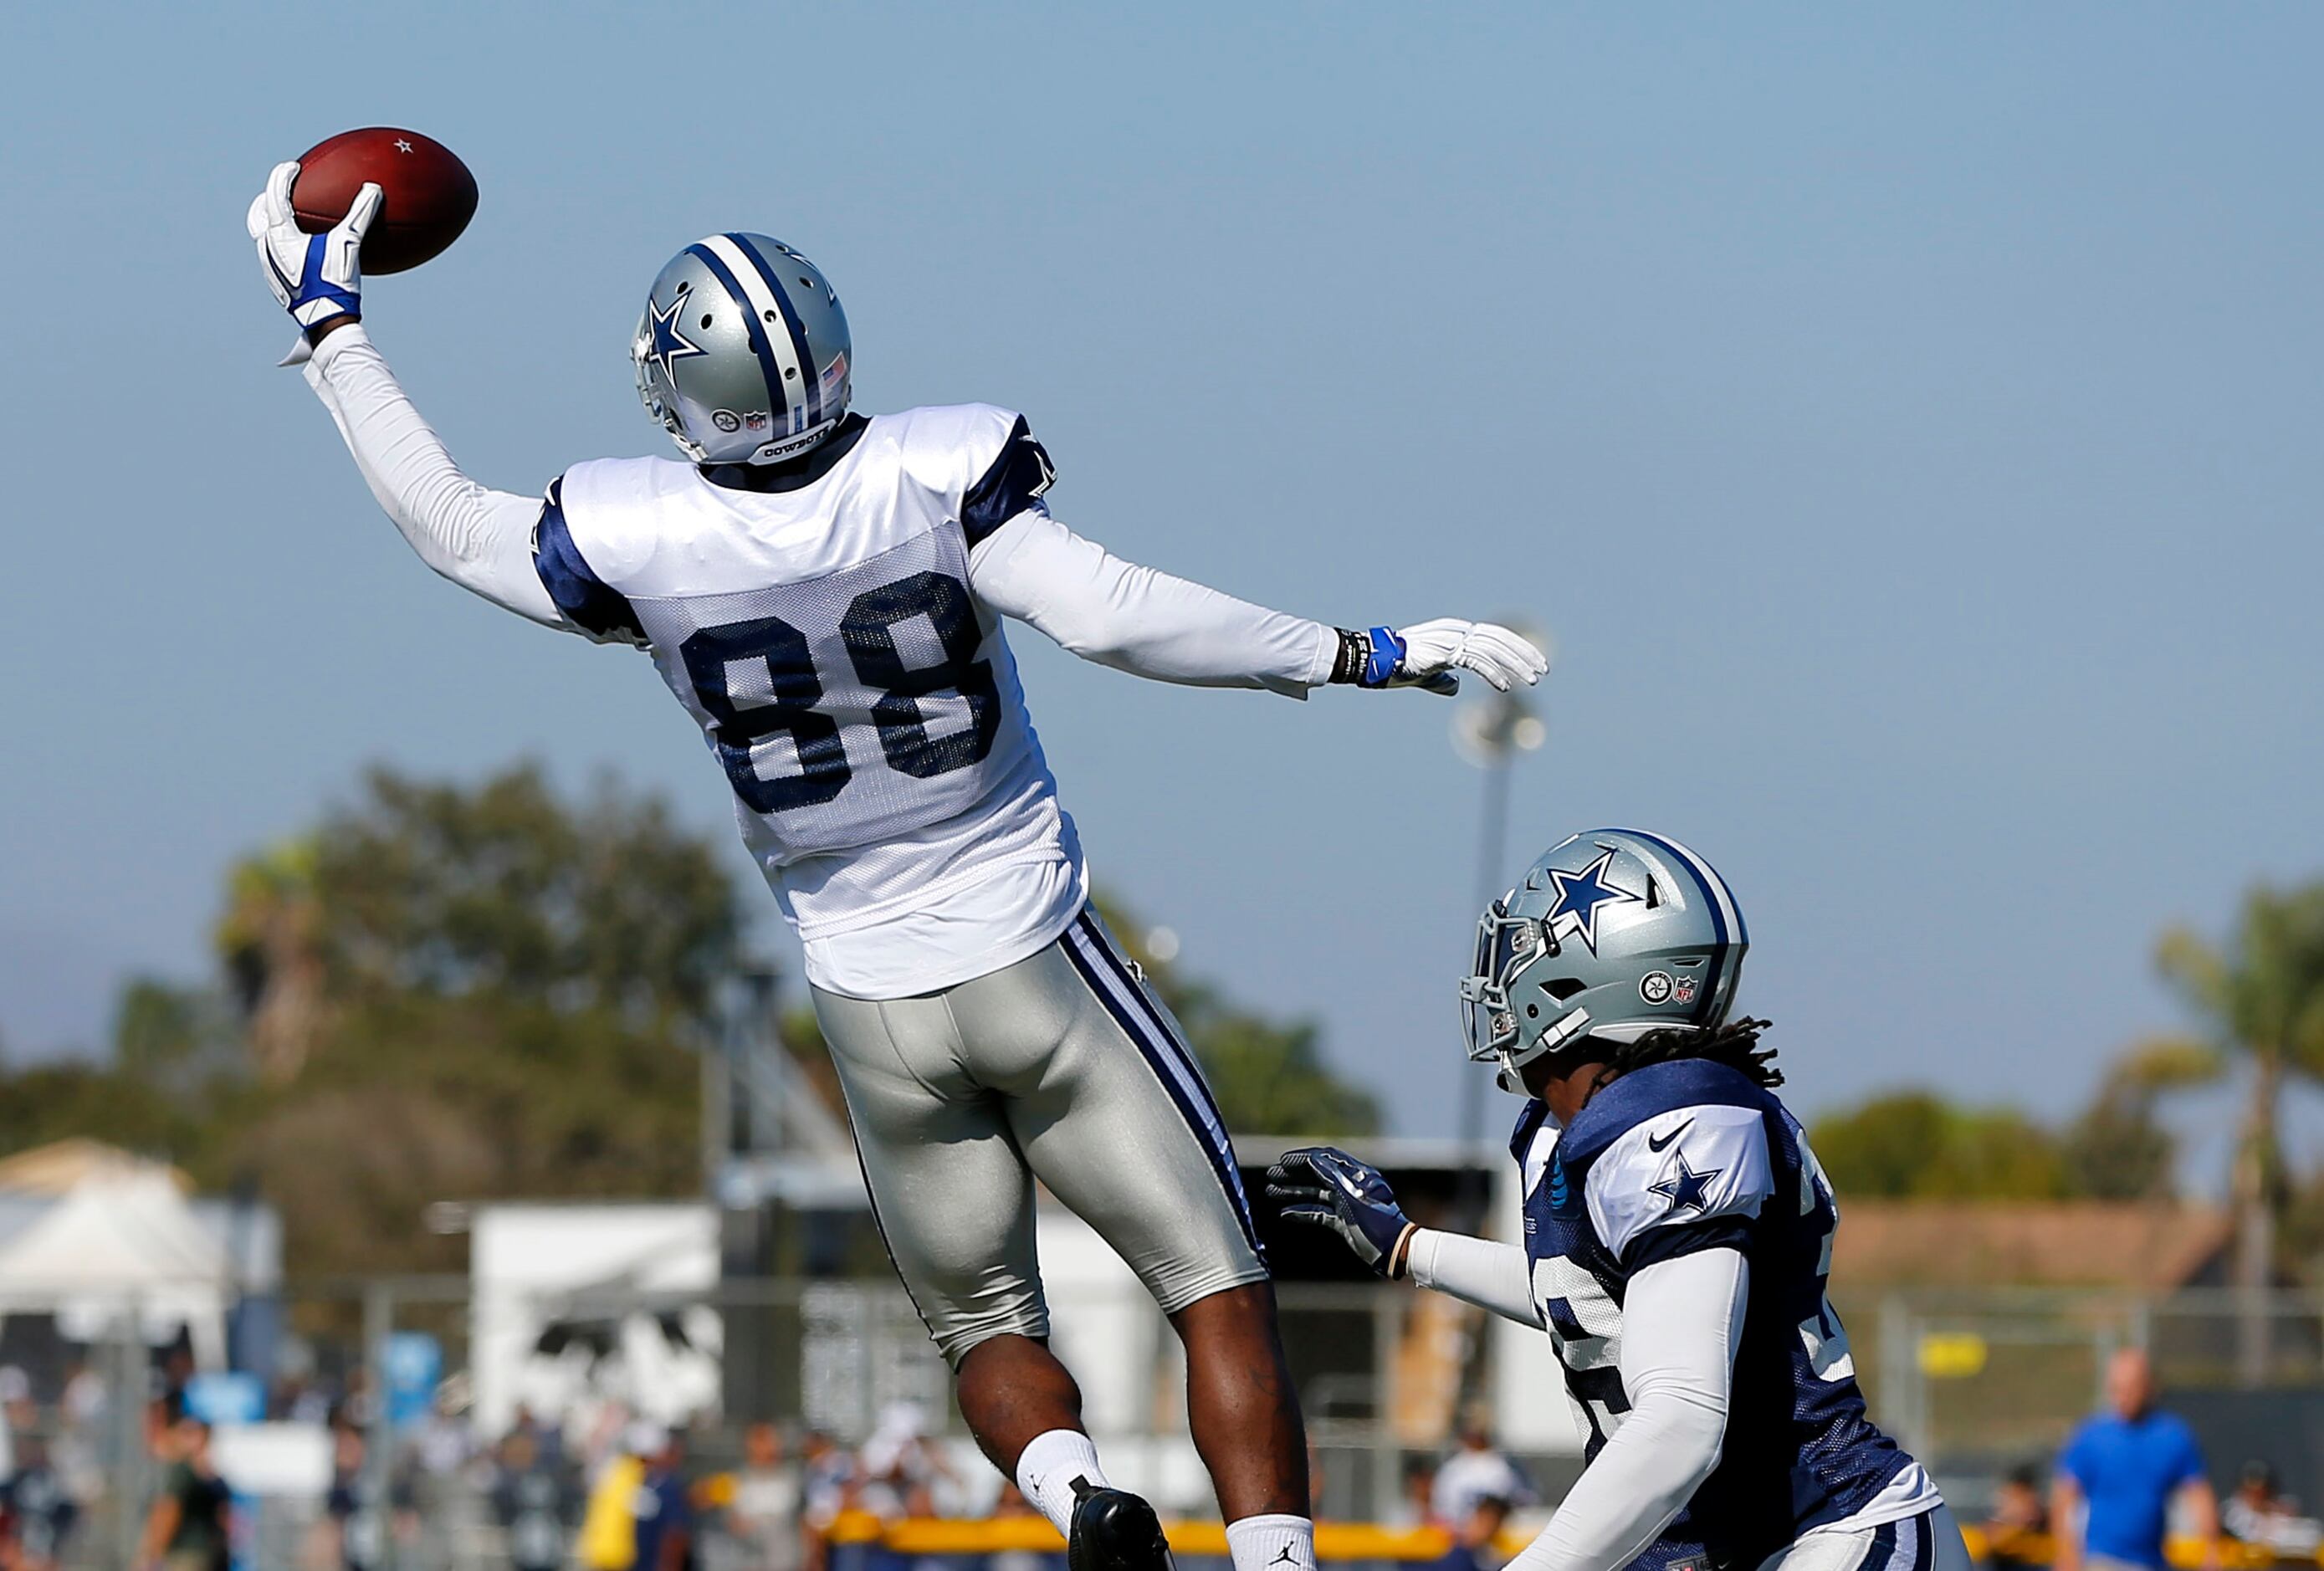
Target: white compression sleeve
1140, 620
1476, 1271
480, 539
1681, 1321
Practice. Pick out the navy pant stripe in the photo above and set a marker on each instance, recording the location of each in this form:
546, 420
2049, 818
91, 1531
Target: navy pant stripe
1878, 1553
1166, 1034
1164, 1030
1100, 968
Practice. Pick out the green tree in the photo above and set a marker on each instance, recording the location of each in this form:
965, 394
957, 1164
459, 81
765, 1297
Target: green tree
2258, 999
491, 991
466, 992
1269, 1077
1917, 1145
2119, 1149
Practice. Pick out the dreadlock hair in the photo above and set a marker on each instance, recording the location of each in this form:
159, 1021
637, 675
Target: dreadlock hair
1734, 1044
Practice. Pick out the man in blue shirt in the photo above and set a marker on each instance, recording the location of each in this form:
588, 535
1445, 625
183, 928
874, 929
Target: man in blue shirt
2127, 1464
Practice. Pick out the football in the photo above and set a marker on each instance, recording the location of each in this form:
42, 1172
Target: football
428, 195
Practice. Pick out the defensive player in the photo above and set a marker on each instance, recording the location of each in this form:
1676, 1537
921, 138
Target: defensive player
1677, 1236
823, 591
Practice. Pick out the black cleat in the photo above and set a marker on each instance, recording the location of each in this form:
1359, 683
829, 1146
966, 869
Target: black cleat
1114, 1530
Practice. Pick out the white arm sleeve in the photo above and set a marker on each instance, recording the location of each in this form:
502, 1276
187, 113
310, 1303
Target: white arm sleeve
1681, 1320
480, 539
1476, 1271
1140, 620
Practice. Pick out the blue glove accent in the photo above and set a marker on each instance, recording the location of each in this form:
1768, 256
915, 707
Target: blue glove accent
1387, 655
311, 288
1326, 1187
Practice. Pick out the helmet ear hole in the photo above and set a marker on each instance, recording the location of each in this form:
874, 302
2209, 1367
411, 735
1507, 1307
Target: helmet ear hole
1562, 988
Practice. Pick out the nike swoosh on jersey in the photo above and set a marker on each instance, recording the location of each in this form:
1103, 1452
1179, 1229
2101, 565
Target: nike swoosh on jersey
1664, 1144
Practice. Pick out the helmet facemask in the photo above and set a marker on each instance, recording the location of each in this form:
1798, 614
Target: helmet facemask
1506, 948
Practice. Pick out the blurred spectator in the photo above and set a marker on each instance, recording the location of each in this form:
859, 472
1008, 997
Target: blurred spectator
900, 1470
547, 1438
1416, 1508
2016, 1522
609, 1521
1475, 1472
663, 1511
826, 1488
357, 1530
534, 1502
168, 1394
763, 1518
16, 1398
40, 1511
80, 1448
2127, 1464
1476, 1541
187, 1528
2260, 1512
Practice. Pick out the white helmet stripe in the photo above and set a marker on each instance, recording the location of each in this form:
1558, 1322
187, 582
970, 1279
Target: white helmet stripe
791, 395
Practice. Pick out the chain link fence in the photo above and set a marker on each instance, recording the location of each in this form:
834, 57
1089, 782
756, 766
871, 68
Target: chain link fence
425, 1424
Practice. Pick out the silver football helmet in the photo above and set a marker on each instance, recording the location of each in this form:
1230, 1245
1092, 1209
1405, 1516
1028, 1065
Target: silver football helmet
743, 352
1612, 934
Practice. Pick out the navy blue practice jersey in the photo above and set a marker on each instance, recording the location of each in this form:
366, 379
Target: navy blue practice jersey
1683, 1156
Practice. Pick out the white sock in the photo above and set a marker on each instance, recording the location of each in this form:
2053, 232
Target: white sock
1047, 1468
1283, 1543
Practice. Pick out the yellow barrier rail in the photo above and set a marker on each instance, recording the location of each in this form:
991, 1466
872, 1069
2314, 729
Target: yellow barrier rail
1369, 1541
935, 1536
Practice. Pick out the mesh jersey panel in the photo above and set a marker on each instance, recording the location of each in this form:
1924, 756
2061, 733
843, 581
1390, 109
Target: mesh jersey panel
863, 706
1800, 1450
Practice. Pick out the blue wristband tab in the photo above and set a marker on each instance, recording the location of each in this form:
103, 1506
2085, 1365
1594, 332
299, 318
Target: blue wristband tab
1387, 655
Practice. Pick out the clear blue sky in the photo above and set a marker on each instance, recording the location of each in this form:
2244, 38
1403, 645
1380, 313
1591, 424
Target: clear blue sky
1907, 418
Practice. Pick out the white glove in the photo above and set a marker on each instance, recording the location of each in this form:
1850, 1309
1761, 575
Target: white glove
315, 277
1427, 653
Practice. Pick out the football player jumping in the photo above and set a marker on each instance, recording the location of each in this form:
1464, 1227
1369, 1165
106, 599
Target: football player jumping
824, 593
1677, 1237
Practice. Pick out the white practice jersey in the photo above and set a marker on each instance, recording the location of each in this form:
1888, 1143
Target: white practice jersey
834, 627
862, 701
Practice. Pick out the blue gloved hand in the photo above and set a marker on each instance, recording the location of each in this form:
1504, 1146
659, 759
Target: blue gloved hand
1326, 1187
1430, 654
314, 277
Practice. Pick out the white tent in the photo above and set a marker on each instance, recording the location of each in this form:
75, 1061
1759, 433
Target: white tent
121, 1243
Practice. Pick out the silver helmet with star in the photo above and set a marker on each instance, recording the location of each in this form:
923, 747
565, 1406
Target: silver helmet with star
742, 351
1612, 933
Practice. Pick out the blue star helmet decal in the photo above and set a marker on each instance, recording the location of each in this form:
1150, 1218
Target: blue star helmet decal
1685, 1189
1579, 896
668, 342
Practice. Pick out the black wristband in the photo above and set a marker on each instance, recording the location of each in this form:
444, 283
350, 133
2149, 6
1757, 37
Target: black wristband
1355, 654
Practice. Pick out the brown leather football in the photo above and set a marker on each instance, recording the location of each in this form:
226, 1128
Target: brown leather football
426, 194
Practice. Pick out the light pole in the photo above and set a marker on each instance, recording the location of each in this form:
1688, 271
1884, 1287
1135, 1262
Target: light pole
1489, 733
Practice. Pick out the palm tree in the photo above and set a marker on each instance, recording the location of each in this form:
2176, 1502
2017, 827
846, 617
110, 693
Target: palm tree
2260, 998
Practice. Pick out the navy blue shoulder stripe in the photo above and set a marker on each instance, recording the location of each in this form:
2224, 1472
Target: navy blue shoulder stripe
1012, 484
777, 403
588, 602
1650, 1092
1670, 1240
791, 323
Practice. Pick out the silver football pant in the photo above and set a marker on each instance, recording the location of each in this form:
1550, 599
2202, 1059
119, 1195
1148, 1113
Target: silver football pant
1063, 1068
1931, 1542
